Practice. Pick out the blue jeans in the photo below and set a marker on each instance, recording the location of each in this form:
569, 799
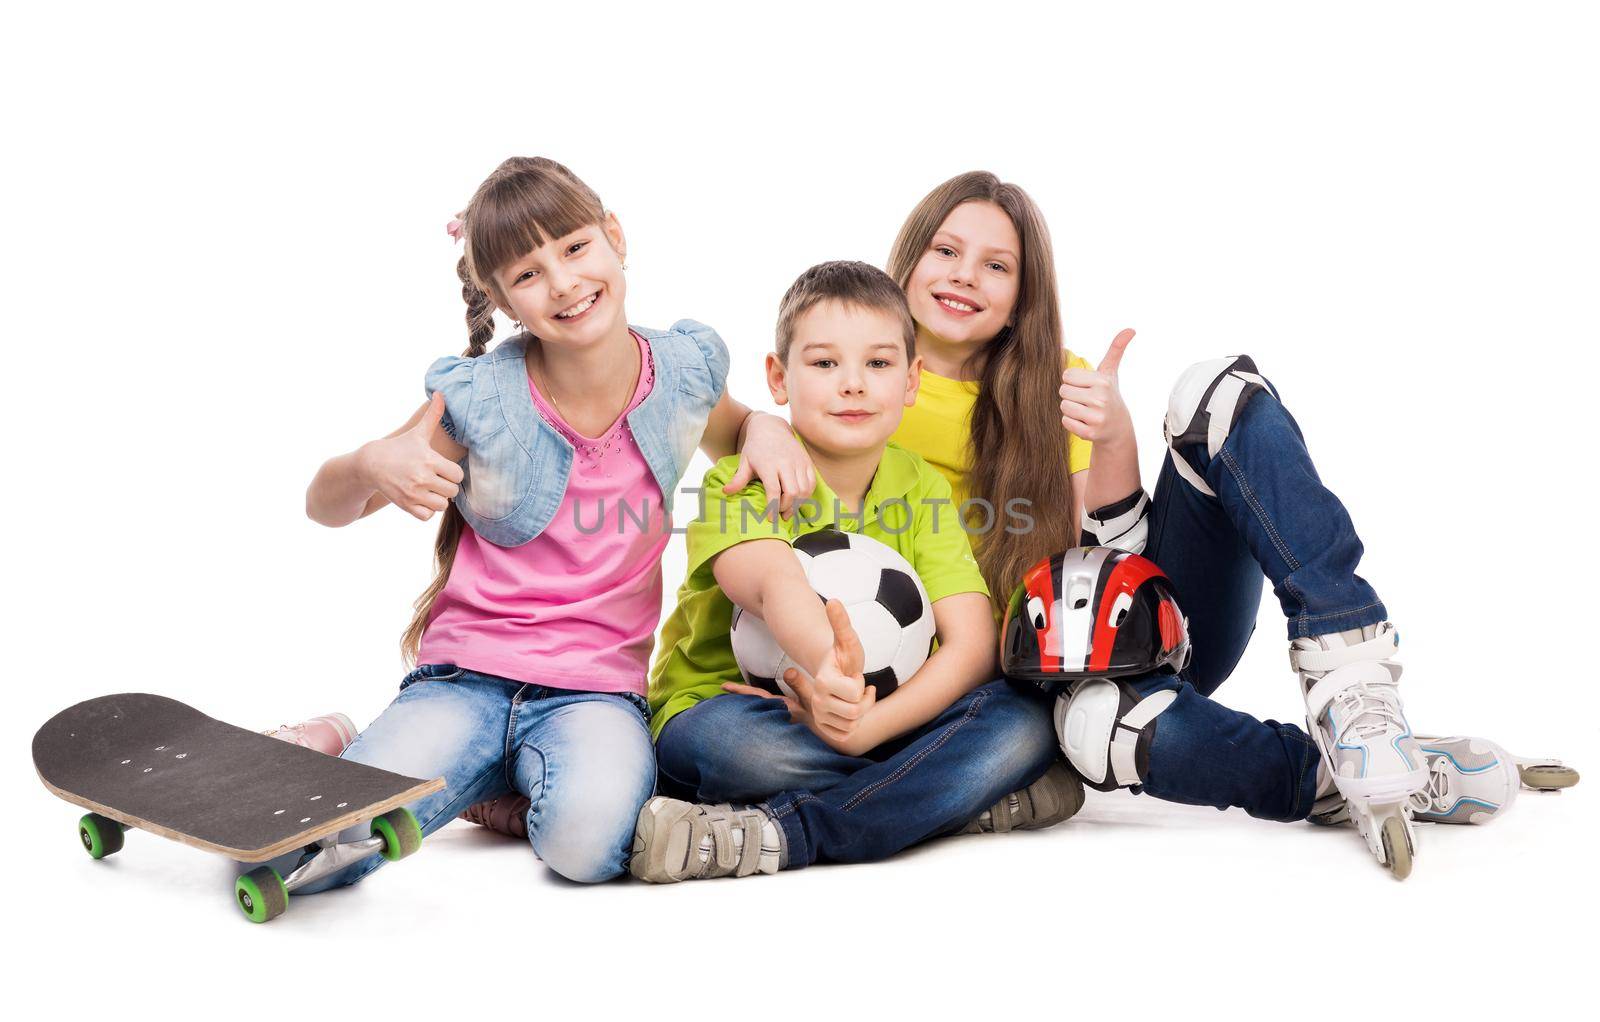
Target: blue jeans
837, 808
583, 758
1271, 517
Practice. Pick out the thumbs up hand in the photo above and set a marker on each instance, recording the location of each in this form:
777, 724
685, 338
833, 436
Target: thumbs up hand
1091, 403
407, 470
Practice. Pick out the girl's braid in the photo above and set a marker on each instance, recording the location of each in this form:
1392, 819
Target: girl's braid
480, 312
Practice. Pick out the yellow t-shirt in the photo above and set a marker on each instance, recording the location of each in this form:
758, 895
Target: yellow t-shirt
938, 427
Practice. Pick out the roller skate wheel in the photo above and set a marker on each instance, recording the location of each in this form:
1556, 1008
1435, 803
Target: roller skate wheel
1397, 846
1547, 776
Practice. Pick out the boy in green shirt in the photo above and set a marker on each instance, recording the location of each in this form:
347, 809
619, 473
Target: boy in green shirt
833, 772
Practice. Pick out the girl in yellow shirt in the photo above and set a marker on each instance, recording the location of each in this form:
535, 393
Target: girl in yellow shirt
1038, 458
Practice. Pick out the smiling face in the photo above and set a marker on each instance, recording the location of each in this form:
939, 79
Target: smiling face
847, 378
964, 287
569, 290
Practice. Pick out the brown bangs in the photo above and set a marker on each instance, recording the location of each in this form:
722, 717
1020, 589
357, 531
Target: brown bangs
526, 202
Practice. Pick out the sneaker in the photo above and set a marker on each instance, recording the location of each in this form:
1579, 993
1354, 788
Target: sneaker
331, 733
677, 840
507, 815
1050, 800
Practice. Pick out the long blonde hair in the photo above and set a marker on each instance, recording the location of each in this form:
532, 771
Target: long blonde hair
1017, 447
524, 202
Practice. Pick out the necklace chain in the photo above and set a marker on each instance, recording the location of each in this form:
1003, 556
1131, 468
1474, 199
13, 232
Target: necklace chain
543, 380
592, 452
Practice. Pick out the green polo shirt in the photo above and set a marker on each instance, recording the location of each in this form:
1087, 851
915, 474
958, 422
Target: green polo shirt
908, 507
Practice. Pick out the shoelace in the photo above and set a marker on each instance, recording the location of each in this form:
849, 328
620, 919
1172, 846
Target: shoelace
1435, 795
1369, 712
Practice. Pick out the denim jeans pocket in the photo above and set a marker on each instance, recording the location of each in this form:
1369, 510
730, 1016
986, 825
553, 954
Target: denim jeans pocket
431, 672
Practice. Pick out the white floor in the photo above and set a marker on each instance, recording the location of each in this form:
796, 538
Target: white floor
1134, 904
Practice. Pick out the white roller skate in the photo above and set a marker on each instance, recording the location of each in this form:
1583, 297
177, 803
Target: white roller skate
1470, 780
1473, 780
1354, 715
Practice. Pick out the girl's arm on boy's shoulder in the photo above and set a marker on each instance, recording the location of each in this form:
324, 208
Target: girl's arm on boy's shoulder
964, 660
724, 428
414, 467
767, 451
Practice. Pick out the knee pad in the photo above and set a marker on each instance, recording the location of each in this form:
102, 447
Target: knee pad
1205, 403
1106, 728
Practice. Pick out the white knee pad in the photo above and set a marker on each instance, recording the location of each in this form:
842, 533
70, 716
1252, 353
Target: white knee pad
1204, 405
1105, 728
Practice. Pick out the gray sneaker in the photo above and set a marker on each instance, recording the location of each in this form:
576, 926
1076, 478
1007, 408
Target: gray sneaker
1053, 798
677, 840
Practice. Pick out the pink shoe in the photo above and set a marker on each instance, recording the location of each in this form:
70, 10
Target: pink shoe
330, 733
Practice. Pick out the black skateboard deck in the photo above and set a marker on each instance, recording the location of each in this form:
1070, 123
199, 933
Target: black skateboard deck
150, 762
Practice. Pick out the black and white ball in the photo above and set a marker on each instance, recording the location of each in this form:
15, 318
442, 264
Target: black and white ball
885, 600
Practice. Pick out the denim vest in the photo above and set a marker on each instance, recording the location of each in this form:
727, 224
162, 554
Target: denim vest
517, 464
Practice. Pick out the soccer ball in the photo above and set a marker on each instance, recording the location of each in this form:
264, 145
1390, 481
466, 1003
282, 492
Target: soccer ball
882, 595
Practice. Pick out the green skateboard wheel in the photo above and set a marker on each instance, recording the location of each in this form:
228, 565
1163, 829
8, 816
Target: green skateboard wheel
401, 833
261, 894
100, 835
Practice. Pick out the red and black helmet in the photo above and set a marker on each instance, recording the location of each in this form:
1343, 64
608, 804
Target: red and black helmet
1093, 612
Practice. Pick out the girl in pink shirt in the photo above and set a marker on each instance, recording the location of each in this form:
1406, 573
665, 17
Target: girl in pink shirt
554, 460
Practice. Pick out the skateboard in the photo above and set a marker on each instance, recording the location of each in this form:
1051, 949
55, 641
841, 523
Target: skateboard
146, 761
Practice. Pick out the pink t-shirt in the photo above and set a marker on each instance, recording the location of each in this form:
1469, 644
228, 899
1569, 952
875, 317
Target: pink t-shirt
576, 606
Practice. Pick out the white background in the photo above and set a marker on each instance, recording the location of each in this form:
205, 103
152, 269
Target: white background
225, 261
